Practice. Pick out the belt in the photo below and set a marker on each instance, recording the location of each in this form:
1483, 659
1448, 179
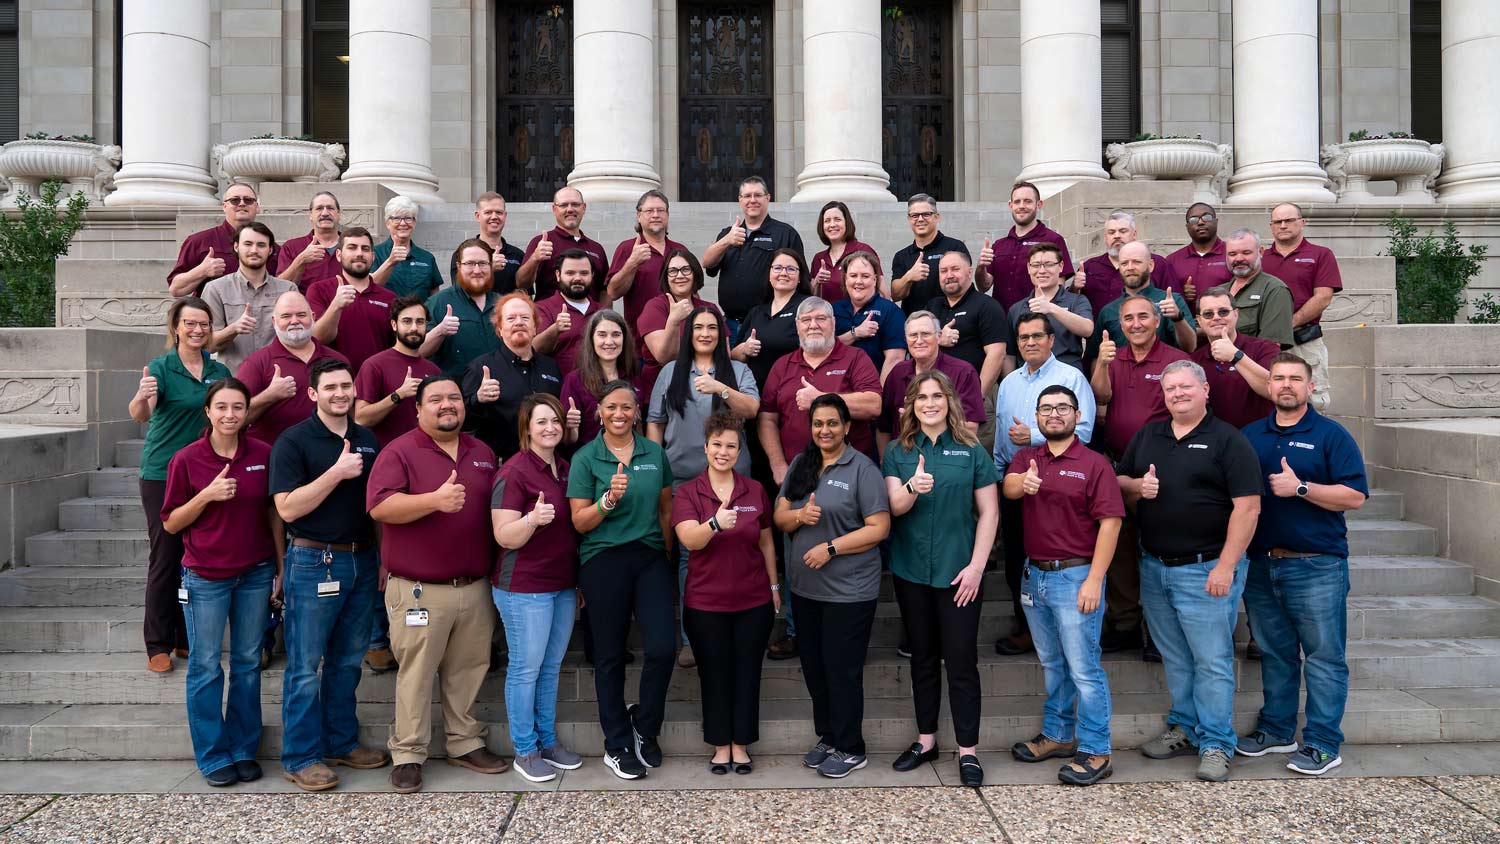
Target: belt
1190, 559
455, 582
346, 547
1058, 565
1283, 554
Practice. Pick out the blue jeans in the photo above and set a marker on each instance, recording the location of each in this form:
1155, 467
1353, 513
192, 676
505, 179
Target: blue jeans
1297, 612
318, 716
1067, 645
537, 629
1195, 633
223, 736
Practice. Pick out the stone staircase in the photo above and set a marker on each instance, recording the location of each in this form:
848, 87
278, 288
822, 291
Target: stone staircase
1424, 656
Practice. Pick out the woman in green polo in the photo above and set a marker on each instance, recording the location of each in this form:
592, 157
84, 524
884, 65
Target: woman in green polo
170, 398
938, 476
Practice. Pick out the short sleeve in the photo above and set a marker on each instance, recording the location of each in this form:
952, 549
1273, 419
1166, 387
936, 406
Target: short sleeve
985, 473
215, 300
1241, 466
745, 379
1346, 465
892, 329
1105, 499
288, 469
685, 507
509, 493
179, 487
368, 385
581, 480
765, 506
656, 407
1327, 274
1127, 464
969, 394
872, 496
791, 469
889, 464
994, 327
890, 406
1182, 308
254, 373
843, 313
387, 477
1020, 463
773, 382
318, 296
863, 376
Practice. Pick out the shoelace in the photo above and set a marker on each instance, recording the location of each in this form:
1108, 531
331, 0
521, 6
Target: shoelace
1216, 753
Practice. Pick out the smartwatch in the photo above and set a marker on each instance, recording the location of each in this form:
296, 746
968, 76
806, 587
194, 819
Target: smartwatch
1238, 354
1302, 489
832, 551
395, 398
713, 524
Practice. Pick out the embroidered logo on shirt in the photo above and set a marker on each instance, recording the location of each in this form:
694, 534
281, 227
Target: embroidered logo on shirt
483, 464
379, 304
1295, 444
644, 467
364, 449
955, 453
1198, 445
1304, 260
835, 371
840, 484
547, 377
259, 467
1150, 376
1069, 473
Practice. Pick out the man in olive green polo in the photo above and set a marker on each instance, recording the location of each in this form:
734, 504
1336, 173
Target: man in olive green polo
1264, 301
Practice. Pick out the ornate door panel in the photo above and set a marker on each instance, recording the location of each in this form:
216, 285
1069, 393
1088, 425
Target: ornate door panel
534, 115
917, 125
725, 111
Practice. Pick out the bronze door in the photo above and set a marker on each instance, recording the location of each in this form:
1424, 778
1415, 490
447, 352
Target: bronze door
725, 110
534, 115
917, 126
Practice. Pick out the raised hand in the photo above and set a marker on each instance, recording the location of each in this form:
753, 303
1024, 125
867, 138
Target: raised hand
1150, 486
543, 248
409, 385
450, 496
489, 388
245, 322
737, 233
543, 513
707, 385
148, 387
823, 274
212, 267
1189, 292
679, 310
1031, 482
222, 487
1284, 483
987, 253
1079, 280
1168, 307
727, 516
349, 465
919, 271
343, 297
949, 335
640, 253
400, 253
867, 327
282, 387
751, 346
810, 512
618, 483
921, 482
1020, 432
806, 395
313, 251
564, 320
574, 417
448, 325
1107, 349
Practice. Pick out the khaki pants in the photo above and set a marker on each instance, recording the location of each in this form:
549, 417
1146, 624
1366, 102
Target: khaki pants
1316, 355
455, 645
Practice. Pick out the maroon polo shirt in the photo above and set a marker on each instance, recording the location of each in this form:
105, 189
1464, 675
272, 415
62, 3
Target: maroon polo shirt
965, 382
548, 562
566, 350
845, 370
546, 273
382, 374
364, 326
439, 546
647, 283
654, 318
312, 273
195, 248
1104, 284
1229, 394
1012, 281
1078, 489
832, 290
588, 404
228, 537
1207, 270
257, 371
729, 573
1304, 269
1136, 388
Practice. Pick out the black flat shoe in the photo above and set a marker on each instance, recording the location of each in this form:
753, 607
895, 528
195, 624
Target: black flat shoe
1014, 645
914, 757
744, 767
248, 770
718, 769
970, 772
224, 776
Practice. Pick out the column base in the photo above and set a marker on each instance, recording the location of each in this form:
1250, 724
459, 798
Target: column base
845, 180
613, 181
1281, 181
1471, 184
414, 181
1053, 177
162, 184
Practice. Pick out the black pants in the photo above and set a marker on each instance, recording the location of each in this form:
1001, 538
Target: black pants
632, 578
728, 647
164, 627
942, 635
832, 640
1014, 542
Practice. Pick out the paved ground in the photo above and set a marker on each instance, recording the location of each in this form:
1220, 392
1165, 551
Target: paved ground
1415, 798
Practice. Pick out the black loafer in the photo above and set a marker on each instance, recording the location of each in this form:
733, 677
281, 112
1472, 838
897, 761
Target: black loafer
913, 757
248, 770
224, 776
744, 767
1014, 645
718, 769
970, 772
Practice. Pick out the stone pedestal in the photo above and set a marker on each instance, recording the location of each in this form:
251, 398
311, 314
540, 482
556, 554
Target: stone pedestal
841, 103
1061, 113
1471, 87
615, 118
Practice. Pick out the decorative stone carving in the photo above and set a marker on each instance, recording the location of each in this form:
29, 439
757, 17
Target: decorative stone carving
1207, 164
146, 311
1413, 164
1420, 392
275, 159
52, 398
1351, 307
26, 164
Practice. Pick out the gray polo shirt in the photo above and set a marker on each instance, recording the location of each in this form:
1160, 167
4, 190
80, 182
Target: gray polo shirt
684, 437
847, 492
1066, 346
227, 297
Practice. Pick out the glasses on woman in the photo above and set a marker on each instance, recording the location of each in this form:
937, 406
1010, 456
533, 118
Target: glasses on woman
778, 270
679, 271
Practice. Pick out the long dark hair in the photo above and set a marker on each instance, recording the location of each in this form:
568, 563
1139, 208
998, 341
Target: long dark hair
802, 479
804, 284
681, 386
590, 370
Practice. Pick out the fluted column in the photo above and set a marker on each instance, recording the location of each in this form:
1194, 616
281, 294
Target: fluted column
841, 103
165, 105
1276, 124
390, 96
615, 116
1061, 112
1471, 88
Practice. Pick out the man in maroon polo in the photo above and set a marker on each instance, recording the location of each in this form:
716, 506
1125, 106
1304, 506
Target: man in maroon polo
1237, 365
314, 256
1202, 263
538, 272
353, 312
922, 331
1100, 280
386, 387
1311, 272
561, 318
821, 365
635, 270
277, 374
1002, 267
209, 254
430, 490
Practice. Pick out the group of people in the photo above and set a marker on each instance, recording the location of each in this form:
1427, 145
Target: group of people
392, 464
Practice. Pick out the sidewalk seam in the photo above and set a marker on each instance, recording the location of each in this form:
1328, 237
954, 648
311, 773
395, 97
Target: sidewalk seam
994, 817
1432, 783
515, 803
52, 798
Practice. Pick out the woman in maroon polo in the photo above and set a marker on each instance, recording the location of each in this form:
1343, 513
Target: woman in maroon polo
660, 325
218, 498
608, 355
723, 519
836, 230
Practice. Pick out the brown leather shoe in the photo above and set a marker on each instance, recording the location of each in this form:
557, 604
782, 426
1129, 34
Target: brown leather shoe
783, 648
406, 778
363, 758
315, 777
181, 652
482, 760
160, 663
1041, 748
380, 660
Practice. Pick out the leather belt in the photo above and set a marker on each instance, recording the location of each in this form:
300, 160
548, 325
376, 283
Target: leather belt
346, 547
1190, 559
1283, 554
1059, 565
455, 582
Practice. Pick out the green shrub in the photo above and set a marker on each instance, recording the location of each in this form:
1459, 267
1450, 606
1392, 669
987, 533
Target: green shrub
1431, 272
30, 243
1486, 310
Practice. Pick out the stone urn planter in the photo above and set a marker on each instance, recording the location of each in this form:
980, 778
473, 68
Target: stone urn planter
86, 167
1413, 164
259, 160
1206, 164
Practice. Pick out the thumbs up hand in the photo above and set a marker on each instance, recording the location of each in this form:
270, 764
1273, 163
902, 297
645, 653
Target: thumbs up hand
147, 389
1189, 292
751, 347
211, 266
575, 416
409, 386
564, 320
343, 296
1031, 482
679, 310
806, 395
920, 270
313, 251
450, 496
349, 465
1079, 280
448, 325
987, 253
1107, 349
489, 388
1150, 486
824, 273
282, 387
867, 327
810, 512
921, 482
543, 249
737, 233
640, 253
1020, 432
618, 483
727, 516
1284, 483
245, 322
400, 253
221, 488
949, 335
543, 513
1223, 349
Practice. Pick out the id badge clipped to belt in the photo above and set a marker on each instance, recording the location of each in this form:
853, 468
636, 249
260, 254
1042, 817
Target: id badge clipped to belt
416, 616
329, 588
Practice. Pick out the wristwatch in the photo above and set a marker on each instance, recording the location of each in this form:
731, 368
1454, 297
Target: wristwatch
713, 524
1238, 353
1302, 489
395, 398
725, 395
832, 551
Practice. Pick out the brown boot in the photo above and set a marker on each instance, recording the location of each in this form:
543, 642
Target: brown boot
482, 760
364, 758
1041, 748
406, 778
380, 660
315, 777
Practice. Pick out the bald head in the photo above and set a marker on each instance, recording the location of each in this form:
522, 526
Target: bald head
294, 320
1135, 265
568, 208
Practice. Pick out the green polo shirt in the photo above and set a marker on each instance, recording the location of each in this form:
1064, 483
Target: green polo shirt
1265, 306
1109, 319
934, 540
634, 518
476, 330
418, 274
178, 418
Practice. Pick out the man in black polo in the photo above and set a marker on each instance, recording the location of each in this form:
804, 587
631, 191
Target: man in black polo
741, 255
973, 328
319, 469
914, 270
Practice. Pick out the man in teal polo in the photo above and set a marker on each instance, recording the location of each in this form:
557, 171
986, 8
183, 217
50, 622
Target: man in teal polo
460, 317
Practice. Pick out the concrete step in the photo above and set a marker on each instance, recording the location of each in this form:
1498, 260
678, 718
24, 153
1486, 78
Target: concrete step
105, 513
128, 453
72, 586
1423, 617
88, 548
1383, 504
1396, 576
52, 630
1377, 537
122, 482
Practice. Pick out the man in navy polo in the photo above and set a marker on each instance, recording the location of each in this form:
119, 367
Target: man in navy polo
1299, 570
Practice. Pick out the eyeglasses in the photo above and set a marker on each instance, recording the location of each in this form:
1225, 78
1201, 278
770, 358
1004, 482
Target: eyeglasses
1287, 222
1220, 313
754, 195
920, 215
652, 211
679, 271
240, 200
407, 220
1054, 409
1044, 265
777, 270
474, 265
1201, 218
567, 206
811, 319
1031, 338
188, 323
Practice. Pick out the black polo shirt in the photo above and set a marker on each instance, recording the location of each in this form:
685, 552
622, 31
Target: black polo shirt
924, 291
1200, 475
494, 423
776, 332
980, 321
505, 280
305, 451
744, 271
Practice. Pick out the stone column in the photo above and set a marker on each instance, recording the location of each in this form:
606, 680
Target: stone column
615, 117
1471, 87
390, 96
165, 111
841, 103
1062, 135
1276, 104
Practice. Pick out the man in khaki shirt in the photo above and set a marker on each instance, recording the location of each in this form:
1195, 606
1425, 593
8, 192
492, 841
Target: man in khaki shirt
242, 302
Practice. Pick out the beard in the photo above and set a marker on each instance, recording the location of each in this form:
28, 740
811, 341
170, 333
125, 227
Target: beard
814, 346
476, 288
577, 293
1058, 436
293, 336
411, 340
356, 272
448, 424
1244, 270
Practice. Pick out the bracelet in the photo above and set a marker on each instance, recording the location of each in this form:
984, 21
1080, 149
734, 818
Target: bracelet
776, 587
910, 488
605, 503
526, 517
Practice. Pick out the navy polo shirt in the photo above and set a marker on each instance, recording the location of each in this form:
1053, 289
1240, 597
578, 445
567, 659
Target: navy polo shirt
305, 451
888, 315
1319, 451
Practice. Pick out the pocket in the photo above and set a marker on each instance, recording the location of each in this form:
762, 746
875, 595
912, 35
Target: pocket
1325, 562
304, 558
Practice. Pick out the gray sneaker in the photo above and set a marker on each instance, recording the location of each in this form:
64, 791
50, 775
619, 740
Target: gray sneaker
840, 764
1173, 742
1213, 765
560, 757
1313, 762
817, 754
1259, 743
533, 768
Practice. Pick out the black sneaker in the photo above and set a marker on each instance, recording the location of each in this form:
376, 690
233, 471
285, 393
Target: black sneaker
1114, 641
903, 650
646, 749
1252, 651
1149, 652
624, 764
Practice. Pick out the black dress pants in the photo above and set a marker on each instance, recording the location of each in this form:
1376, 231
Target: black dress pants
729, 648
1012, 539
941, 635
165, 628
833, 640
